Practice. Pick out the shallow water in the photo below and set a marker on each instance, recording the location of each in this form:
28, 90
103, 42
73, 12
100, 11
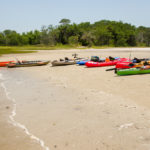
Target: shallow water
19, 89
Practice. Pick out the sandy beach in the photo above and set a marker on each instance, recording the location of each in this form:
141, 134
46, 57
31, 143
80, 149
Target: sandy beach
74, 107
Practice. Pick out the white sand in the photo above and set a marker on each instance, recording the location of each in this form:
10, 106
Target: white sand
88, 108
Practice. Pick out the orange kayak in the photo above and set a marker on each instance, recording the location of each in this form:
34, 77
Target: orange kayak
4, 63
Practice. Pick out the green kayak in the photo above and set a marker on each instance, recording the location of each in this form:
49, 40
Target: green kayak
132, 71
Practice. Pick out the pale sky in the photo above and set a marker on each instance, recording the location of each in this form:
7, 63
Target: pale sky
26, 15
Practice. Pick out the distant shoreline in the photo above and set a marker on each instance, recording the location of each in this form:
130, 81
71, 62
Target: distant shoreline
33, 49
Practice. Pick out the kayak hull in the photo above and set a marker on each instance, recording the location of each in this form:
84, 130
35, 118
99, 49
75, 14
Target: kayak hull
132, 71
104, 64
98, 64
4, 64
27, 64
82, 62
127, 65
123, 65
62, 63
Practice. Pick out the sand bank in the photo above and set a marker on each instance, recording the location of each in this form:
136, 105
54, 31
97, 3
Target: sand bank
76, 108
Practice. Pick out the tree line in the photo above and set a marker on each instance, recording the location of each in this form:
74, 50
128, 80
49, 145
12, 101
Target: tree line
101, 33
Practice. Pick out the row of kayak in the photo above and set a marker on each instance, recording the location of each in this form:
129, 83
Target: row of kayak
93, 62
123, 66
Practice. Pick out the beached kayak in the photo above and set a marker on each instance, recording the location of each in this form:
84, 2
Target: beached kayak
103, 64
126, 65
4, 63
132, 71
62, 63
93, 59
82, 62
100, 64
27, 64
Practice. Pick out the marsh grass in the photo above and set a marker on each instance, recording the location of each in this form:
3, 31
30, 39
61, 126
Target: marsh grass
13, 50
33, 49
30, 49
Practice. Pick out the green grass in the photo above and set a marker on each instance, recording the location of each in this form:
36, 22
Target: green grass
44, 47
29, 49
32, 49
101, 47
13, 50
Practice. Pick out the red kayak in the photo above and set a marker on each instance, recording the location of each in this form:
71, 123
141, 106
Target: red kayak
4, 63
104, 64
123, 65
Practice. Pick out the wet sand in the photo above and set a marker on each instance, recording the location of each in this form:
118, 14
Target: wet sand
76, 108
11, 137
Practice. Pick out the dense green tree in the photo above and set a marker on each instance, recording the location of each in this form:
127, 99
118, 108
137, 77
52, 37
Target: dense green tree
24, 39
12, 38
2, 39
147, 36
73, 40
104, 32
64, 21
103, 37
87, 39
44, 38
53, 34
34, 37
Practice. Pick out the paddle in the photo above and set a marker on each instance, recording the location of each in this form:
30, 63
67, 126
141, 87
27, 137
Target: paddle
115, 70
110, 69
